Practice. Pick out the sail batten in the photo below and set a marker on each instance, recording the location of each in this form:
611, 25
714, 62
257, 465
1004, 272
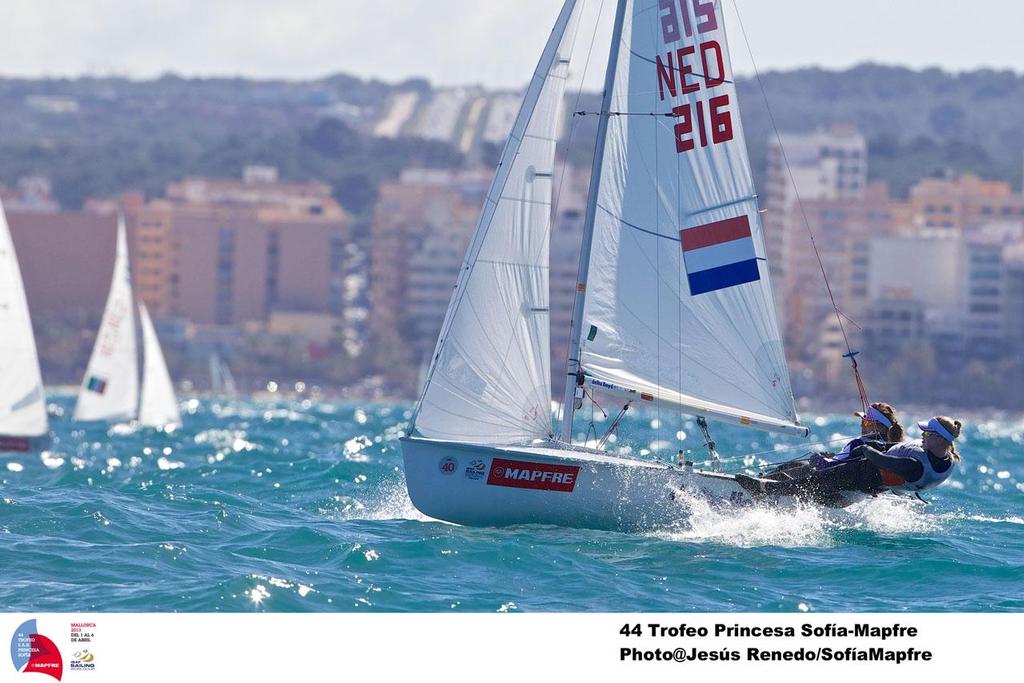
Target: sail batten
489, 378
22, 400
678, 295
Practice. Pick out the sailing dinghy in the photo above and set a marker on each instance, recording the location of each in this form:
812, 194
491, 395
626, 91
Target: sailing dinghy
110, 388
23, 421
674, 305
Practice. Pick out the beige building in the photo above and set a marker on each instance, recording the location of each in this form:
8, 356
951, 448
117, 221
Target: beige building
955, 206
228, 251
66, 259
422, 223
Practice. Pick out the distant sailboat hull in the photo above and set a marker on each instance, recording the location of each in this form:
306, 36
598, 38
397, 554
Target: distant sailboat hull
504, 486
24, 444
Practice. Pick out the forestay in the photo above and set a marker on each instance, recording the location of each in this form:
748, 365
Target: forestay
678, 303
158, 407
22, 403
110, 388
489, 380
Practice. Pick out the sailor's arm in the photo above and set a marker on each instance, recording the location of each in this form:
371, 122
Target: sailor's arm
910, 469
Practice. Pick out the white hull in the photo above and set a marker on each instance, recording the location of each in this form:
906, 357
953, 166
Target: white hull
501, 486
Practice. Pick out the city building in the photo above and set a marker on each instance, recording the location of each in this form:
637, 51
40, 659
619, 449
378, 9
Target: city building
421, 226
228, 251
954, 206
841, 229
958, 294
30, 194
826, 165
66, 260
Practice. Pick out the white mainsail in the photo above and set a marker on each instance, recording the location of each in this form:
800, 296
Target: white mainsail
110, 388
489, 380
678, 305
158, 407
22, 404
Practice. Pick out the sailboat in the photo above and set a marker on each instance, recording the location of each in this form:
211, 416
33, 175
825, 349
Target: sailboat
222, 382
110, 387
674, 307
23, 421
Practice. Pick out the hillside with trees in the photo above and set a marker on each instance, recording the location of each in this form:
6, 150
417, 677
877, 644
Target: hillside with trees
102, 136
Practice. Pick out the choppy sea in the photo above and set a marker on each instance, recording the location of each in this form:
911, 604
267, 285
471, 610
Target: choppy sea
301, 506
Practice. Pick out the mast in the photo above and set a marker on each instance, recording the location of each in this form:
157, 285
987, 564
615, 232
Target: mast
573, 365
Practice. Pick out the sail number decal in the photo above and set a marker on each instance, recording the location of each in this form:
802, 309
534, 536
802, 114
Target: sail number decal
532, 475
683, 71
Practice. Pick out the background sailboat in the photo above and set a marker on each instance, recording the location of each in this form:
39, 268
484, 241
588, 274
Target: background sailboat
673, 293
110, 388
222, 382
22, 402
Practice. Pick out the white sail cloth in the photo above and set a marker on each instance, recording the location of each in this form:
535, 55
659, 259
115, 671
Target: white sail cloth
489, 380
110, 388
158, 407
22, 403
678, 301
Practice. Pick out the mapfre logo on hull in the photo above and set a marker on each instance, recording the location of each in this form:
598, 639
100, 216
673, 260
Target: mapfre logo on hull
532, 475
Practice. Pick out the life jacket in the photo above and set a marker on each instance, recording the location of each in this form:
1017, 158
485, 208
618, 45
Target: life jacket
876, 441
929, 479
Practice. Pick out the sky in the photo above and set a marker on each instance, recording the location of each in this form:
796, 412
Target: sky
460, 42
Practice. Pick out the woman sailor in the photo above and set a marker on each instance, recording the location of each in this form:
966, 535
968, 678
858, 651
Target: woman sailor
879, 428
914, 466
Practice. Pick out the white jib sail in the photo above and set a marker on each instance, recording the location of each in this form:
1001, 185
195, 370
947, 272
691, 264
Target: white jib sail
22, 403
489, 379
110, 388
158, 407
678, 303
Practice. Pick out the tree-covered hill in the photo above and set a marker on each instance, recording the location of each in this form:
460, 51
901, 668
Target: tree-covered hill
100, 136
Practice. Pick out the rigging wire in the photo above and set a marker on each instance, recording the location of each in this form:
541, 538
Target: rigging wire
850, 353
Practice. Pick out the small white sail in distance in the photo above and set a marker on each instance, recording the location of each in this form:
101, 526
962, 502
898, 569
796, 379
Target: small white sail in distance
110, 388
222, 382
158, 407
22, 403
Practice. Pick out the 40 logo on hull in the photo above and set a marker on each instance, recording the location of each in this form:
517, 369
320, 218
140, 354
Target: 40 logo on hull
533, 475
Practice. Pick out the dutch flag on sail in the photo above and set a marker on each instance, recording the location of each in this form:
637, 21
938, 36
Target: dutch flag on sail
719, 255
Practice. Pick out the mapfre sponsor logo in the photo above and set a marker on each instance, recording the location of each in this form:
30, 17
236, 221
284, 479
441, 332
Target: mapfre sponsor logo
532, 475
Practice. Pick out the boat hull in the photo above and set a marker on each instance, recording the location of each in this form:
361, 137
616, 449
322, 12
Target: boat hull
24, 444
501, 486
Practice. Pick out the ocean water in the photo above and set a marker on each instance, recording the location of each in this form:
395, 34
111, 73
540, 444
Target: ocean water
301, 506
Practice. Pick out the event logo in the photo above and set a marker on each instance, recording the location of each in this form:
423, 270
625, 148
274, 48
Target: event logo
533, 475
448, 465
33, 652
82, 661
476, 469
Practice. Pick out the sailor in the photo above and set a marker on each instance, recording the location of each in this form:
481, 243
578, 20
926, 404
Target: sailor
914, 466
879, 428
